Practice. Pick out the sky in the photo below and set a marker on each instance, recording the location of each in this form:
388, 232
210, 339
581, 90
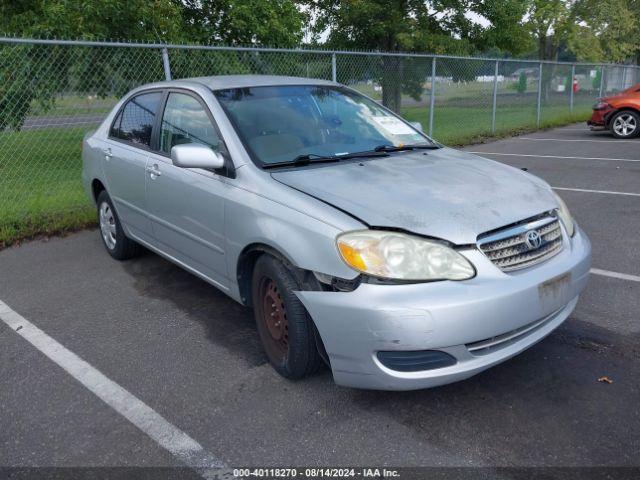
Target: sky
477, 18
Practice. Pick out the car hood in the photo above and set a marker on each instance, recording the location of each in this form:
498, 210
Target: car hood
444, 193
623, 93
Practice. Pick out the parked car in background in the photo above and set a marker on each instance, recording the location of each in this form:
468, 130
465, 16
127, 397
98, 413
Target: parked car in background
356, 239
618, 113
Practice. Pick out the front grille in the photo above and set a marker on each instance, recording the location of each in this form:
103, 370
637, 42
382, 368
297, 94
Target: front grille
510, 250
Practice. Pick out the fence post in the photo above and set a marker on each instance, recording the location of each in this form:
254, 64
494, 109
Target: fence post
572, 93
432, 101
495, 98
539, 107
165, 64
602, 73
334, 70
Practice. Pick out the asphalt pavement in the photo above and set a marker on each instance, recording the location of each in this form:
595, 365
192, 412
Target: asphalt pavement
192, 356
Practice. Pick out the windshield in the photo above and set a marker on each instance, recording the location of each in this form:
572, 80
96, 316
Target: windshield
280, 123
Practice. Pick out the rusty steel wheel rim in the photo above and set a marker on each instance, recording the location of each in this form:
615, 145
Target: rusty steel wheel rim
274, 316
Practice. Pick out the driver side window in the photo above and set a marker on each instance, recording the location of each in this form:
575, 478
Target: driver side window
186, 121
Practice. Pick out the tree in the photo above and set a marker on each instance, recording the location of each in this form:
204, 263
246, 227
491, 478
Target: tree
605, 30
585, 45
521, 86
243, 22
549, 21
434, 26
37, 73
634, 6
597, 80
275, 22
136, 20
507, 30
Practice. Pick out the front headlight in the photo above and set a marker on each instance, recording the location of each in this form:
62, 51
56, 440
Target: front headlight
398, 256
565, 216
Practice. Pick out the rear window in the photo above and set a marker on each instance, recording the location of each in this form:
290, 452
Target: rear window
135, 121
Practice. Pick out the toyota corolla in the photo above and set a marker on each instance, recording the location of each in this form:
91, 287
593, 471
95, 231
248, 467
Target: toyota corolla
358, 241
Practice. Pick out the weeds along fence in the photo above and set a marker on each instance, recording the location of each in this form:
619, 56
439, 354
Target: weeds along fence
53, 92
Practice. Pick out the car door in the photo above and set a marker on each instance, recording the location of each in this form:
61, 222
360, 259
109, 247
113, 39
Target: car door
125, 157
187, 204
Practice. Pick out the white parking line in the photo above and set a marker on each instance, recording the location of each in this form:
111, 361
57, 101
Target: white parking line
557, 156
597, 191
622, 276
576, 140
169, 437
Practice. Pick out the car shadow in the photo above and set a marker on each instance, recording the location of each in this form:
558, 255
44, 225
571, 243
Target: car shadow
228, 324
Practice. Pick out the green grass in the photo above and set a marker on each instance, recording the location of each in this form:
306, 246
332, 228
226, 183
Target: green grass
41, 191
463, 126
40, 187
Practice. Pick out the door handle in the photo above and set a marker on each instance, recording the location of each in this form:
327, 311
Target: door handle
107, 154
153, 171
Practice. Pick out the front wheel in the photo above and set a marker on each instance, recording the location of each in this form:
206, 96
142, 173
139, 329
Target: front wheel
117, 244
284, 326
625, 124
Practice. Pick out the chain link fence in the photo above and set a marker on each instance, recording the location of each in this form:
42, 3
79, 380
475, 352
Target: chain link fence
53, 92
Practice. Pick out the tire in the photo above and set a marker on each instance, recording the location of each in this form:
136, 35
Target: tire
625, 124
285, 328
113, 238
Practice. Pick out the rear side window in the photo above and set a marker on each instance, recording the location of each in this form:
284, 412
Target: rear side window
115, 126
186, 121
135, 121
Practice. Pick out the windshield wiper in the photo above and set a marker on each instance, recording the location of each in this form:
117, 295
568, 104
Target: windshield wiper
401, 148
309, 158
301, 160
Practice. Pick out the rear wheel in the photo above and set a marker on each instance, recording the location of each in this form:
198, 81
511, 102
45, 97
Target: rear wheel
625, 124
284, 326
117, 244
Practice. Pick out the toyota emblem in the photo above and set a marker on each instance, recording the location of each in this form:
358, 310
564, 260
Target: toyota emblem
532, 240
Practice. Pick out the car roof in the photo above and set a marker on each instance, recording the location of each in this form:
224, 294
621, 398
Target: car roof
220, 82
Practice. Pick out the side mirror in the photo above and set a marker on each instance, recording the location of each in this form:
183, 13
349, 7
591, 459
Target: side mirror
196, 155
417, 126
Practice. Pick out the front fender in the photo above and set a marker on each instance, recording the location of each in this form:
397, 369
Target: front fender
299, 234
618, 106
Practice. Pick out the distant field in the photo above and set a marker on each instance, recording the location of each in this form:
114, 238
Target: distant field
69, 105
41, 192
479, 92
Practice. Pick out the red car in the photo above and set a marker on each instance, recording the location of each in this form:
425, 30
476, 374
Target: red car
619, 113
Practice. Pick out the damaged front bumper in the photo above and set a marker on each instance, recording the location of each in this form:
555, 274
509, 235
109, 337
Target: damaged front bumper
479, 322
599, 119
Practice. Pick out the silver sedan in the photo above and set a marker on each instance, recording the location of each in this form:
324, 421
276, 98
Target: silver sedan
358, 241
